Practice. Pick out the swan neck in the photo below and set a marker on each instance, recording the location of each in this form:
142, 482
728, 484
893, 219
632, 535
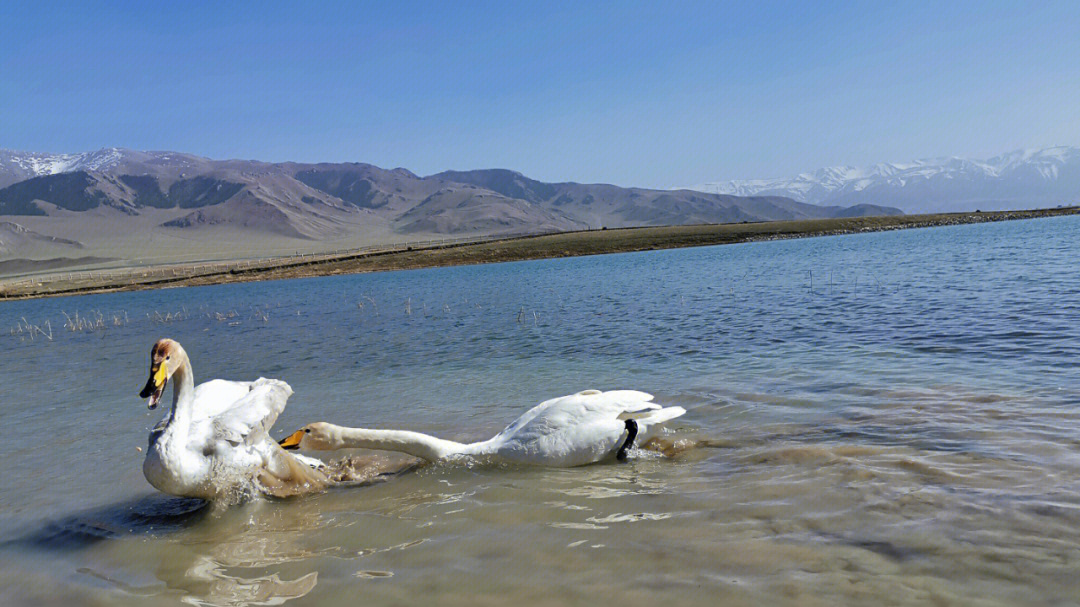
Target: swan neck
413, 443
183, 391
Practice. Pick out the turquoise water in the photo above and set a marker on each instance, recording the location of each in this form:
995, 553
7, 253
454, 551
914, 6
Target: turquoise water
888, 416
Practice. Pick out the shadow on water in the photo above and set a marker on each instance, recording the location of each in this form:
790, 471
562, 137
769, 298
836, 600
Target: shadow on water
151, 515
199, 568
157, 515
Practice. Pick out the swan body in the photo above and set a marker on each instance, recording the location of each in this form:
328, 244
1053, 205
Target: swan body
215, 440
567, 431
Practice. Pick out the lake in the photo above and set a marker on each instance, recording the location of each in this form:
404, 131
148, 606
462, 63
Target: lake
877, 418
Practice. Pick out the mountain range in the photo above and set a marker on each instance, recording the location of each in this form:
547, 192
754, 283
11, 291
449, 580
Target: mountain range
138, 205
1022, 179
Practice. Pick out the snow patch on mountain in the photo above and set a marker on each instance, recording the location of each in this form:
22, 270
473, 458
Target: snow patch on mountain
36, 164
1024, 178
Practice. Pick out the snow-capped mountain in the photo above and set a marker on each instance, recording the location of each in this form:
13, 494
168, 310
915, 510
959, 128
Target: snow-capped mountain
17, 166
1020, 179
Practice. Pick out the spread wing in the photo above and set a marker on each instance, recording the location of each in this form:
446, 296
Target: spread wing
218, 396
250, 418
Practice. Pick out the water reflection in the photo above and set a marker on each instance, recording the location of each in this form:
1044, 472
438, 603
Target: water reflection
240, 559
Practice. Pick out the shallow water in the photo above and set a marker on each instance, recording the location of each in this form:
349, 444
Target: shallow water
879, 418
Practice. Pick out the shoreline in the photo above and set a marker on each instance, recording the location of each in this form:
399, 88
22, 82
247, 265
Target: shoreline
563, 244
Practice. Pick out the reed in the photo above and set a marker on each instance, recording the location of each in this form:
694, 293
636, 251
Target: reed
374, 306
78, 323
24, 329
169, 317
222, 317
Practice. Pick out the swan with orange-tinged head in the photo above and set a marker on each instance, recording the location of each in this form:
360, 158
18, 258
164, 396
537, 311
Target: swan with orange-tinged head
214, 442
572, 430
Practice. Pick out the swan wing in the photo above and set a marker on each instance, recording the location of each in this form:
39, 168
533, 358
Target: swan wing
241, 435
250, 418
218, 396
579, 409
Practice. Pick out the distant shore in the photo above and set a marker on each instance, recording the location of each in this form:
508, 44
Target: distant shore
566, 244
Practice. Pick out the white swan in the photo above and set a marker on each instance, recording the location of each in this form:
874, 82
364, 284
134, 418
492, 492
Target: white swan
214, 442
571, 430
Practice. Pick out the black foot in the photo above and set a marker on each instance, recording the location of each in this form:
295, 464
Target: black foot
631, 434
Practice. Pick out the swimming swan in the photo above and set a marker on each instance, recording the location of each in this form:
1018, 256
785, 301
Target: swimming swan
570, 430
215, 442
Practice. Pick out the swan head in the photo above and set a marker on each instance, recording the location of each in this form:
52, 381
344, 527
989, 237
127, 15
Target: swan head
165, 358
319, 436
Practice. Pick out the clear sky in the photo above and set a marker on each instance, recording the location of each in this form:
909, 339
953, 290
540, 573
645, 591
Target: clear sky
649, 94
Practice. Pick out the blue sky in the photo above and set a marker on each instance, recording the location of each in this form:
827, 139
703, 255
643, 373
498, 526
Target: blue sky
649, 94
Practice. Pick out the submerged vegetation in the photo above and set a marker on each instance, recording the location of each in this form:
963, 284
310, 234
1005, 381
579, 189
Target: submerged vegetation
96, 321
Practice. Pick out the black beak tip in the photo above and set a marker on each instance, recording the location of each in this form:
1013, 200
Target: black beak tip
148, 389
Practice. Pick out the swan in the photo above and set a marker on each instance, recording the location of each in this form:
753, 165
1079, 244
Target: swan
567, 431
214, 442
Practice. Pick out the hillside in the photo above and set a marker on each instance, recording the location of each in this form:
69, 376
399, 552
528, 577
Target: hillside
156, 205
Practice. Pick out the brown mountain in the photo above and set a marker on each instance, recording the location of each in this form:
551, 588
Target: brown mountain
189, 197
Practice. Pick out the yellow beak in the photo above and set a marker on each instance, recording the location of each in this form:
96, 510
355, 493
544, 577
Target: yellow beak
292, 441
160, 375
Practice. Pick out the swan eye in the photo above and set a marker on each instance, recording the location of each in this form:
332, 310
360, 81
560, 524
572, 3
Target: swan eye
307, 430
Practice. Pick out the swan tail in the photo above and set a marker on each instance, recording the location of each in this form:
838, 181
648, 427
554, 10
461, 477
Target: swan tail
634, 404
651, 423
658, 416
651, 413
